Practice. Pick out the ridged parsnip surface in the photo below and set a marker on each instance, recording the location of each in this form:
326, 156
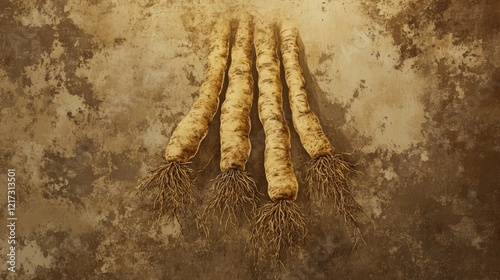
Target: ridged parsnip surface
235, 111
234, 188
280, 175
305, 122
187, 136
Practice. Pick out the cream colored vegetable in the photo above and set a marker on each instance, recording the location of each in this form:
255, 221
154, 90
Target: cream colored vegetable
235, 111
170, 185
234, 187
329, 175
191, 130
280, 223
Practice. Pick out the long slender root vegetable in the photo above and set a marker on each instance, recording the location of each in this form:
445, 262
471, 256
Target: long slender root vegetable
280, 224
234, 187
329, 174
170, 185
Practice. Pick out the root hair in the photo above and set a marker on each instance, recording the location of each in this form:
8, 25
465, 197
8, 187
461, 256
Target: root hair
329, 177
280, 227
169, 189
235, 190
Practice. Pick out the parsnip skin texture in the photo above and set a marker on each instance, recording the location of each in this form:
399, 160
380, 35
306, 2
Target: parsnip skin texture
235, 111
192, 129
280, 175
305, 122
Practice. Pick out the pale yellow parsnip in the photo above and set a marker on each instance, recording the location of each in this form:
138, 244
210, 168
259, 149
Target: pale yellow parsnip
329, 174
169, 187
235, 111
187, 136
280, 175
234, 188
280, 224
305, 122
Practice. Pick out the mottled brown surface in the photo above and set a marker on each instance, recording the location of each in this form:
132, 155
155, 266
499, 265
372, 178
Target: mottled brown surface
91, 91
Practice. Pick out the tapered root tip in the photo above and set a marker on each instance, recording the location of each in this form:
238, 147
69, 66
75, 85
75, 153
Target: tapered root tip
169, 189
330, 179
280, 227
235, 194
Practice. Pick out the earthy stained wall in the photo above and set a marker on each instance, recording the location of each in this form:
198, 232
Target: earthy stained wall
91, 91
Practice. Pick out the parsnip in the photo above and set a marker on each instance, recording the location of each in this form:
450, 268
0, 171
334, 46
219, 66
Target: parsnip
234, 187
329, 174
170, 185
280, 223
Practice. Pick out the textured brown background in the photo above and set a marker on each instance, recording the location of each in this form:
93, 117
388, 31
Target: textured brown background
90, 93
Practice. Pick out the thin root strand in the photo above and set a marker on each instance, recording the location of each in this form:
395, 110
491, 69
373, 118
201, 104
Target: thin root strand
330, 177
280, 226
169, 189
234, 190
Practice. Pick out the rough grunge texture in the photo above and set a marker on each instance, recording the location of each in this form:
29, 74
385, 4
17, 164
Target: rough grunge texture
90, 92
